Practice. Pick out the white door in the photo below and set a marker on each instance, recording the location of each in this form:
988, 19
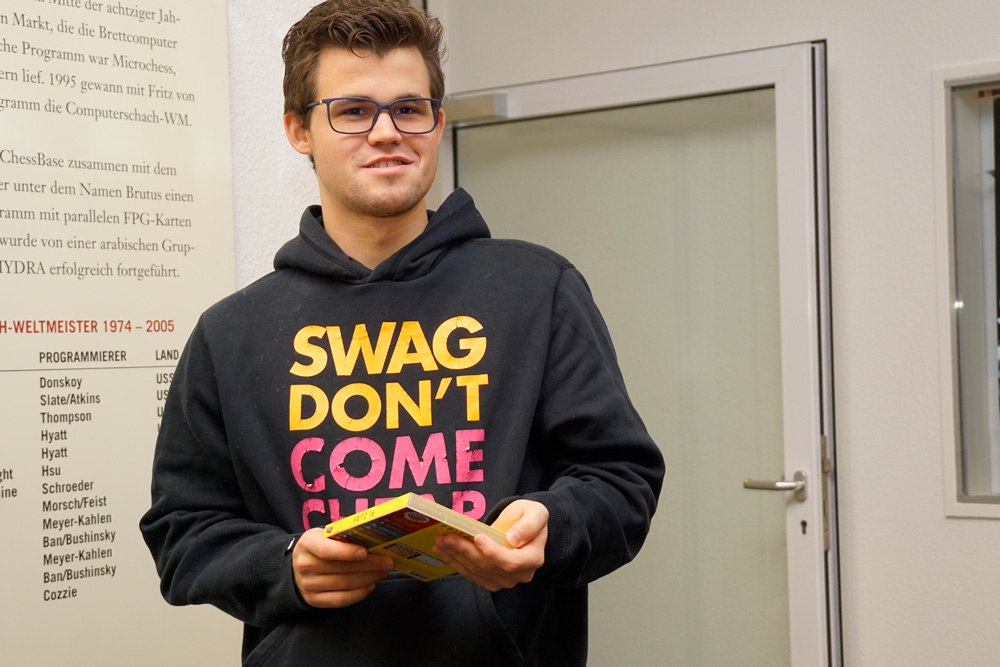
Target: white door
692, 198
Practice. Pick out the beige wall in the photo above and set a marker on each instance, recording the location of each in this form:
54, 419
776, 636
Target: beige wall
918, 589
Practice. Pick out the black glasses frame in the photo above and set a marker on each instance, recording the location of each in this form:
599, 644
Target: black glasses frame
435, 106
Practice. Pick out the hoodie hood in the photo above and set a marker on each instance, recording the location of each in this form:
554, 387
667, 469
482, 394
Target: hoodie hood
313, 250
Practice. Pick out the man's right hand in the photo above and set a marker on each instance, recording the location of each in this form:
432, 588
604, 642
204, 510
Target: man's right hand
330, 573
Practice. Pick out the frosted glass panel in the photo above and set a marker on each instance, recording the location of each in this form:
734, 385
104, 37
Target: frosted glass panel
670, 211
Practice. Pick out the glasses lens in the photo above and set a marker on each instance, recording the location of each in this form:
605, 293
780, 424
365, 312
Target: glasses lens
349, 115
413, 115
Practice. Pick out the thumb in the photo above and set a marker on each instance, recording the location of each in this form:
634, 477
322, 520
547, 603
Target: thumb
525, 519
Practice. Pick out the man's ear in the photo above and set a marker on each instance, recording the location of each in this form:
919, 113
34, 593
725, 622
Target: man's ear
440, 127
297, 133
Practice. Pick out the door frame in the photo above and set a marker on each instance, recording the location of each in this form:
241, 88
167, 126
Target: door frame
797, 74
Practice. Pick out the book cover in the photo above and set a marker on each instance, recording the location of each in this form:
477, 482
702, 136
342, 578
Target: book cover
405, 529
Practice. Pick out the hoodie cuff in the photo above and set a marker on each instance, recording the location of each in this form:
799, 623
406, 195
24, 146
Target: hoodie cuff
557, 541
271, 571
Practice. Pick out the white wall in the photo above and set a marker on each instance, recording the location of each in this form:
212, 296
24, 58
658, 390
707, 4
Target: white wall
272, 183
918, 589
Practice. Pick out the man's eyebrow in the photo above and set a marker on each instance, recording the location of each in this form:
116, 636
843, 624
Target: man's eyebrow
369, 97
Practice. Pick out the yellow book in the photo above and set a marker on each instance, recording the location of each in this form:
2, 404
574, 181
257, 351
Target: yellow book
405, 529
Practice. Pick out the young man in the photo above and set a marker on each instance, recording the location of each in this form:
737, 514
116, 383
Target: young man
395, 351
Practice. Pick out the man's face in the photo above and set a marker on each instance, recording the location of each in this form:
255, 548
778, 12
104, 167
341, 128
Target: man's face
383, 173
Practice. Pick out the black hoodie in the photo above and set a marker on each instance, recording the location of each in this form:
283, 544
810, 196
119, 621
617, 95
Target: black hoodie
469, 369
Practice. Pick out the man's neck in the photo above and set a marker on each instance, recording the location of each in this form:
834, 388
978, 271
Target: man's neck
369, 240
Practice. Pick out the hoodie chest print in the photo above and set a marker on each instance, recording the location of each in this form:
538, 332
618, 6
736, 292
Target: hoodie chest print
447, 358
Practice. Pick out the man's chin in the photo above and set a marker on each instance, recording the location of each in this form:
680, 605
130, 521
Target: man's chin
387, 205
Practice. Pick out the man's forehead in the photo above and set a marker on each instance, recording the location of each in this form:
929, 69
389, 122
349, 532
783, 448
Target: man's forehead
344, 70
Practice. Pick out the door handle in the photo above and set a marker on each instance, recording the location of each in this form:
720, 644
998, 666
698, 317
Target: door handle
798, 486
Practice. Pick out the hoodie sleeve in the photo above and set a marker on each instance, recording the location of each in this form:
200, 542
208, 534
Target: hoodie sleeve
606, 470
206, 547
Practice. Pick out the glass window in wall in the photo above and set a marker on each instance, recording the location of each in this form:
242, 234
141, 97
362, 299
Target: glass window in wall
975, 112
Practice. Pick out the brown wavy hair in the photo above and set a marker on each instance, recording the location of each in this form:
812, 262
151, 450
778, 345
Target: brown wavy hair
375, 26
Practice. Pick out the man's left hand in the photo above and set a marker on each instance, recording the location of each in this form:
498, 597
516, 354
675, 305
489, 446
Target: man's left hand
484, 562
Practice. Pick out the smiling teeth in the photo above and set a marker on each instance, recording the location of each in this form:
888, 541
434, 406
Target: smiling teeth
387, 163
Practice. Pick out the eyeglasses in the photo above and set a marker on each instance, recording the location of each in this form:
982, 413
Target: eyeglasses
358, 115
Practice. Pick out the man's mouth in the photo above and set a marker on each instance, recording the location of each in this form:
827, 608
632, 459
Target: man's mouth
383, 164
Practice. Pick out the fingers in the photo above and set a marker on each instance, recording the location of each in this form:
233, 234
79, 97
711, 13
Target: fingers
339, 590
467, 560
327, 555
492, 566
338, 599
330, 573
316, 545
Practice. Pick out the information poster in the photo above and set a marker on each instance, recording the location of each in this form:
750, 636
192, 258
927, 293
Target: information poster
115, 233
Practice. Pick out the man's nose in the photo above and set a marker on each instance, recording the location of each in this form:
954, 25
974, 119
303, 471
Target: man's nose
384, 130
